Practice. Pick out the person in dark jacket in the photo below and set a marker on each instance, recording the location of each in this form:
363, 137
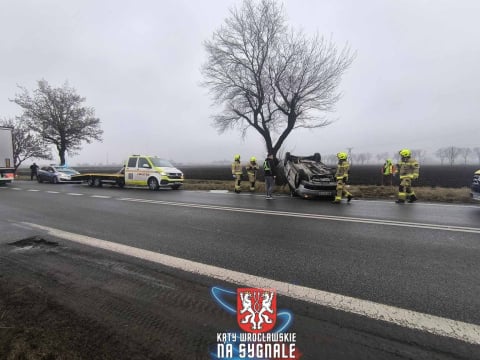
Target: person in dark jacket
269, 170
34, 171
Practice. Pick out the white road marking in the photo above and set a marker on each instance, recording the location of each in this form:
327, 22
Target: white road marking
465, 229
101, 196
52, 192
75, 194
33, 190
16, 189
436, 325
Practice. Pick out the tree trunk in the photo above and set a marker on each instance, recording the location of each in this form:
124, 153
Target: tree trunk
61, 153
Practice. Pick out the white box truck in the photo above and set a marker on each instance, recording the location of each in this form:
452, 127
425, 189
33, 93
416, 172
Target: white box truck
7, 169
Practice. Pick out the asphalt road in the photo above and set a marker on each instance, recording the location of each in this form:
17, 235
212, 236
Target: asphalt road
419, 257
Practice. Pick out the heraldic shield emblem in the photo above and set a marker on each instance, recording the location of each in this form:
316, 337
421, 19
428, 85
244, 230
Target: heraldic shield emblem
256, 309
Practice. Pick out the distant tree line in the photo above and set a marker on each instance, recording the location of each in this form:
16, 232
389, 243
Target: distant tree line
450, 155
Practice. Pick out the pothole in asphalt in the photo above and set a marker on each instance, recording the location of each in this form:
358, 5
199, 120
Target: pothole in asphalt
34, 242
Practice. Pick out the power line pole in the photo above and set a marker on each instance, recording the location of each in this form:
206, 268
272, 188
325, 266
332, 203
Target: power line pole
350, 155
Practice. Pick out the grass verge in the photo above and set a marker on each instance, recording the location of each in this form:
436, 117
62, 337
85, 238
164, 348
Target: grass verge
437, 194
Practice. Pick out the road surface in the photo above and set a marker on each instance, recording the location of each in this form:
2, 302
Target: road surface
366, 280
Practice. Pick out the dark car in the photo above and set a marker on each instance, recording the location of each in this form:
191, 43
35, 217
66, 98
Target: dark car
475, 189
56, 174
308, 177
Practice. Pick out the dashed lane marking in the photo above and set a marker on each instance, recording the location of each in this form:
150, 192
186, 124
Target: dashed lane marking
436, 325
440, 227
100, 196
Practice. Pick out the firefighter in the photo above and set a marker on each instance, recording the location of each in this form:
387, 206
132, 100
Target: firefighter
408, 170
342, 177
269, 171
252, 168
388, 172
237, 172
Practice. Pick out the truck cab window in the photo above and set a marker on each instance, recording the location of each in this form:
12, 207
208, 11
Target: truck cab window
142, 162
132, 162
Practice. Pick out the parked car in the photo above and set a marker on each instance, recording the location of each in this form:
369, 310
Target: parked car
56, 174
308, 177
475, 189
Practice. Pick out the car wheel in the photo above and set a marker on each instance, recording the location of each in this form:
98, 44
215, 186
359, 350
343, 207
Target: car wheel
54, 180
121, 183
39, 180
97, 182
91, 181
153, 183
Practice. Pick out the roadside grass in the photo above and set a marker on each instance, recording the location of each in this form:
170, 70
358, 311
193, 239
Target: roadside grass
438, 194
425, 193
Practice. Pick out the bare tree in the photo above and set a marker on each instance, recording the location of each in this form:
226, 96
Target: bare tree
362, 158
57, 115
448, 153
382, 156
26, 145
441, 154
476, 150
419, 154
465, 154
396, 157
268, 77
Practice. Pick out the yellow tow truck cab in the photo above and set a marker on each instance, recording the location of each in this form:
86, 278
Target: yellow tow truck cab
152, 171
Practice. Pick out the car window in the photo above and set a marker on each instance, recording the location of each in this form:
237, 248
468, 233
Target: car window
143, 161
160, 162
132, 162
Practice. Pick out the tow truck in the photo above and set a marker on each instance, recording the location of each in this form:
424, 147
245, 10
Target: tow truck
139, 170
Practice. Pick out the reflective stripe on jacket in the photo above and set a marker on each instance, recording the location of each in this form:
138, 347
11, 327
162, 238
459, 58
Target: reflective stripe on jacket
236, 167
342, 170
409, 169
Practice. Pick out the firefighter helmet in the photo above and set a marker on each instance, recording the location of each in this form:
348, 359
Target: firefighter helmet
253, 159
405, 153
236, 157
342, 156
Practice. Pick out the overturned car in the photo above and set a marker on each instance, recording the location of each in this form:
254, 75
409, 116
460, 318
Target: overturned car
475, 188
308, 177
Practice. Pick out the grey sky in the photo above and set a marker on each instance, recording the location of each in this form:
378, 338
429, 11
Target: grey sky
415, 82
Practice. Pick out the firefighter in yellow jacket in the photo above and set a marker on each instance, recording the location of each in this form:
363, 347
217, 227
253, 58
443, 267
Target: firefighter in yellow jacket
237, 172
408, 170
342, 177
252, 168
388, 172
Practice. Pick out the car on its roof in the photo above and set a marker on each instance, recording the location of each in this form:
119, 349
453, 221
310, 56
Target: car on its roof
308, 177
475, 188
56, 174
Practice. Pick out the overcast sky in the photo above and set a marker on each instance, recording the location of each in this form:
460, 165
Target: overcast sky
414, 83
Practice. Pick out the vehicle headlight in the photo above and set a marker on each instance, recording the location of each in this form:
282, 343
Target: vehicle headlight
163, 173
